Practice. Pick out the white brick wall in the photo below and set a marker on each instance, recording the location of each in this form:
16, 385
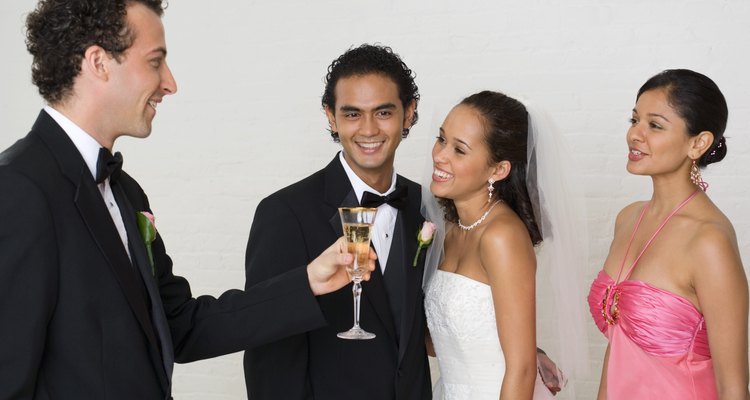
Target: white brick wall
247, 118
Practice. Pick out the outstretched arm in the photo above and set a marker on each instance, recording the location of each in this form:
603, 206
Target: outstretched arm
265, 312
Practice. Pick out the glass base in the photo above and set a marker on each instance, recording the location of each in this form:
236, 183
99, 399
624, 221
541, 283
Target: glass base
356, 334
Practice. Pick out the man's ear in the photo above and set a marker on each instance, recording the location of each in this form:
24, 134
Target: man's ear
96, 62
501, 170
699, 144
331, 118
411, 108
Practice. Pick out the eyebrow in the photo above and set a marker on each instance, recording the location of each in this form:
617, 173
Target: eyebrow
161, 50
659, 116
384, 106
654, 115
442, 131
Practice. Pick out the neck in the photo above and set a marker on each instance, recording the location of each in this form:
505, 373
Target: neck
379, 183
379, 179
471, 209
668, 192
75, 110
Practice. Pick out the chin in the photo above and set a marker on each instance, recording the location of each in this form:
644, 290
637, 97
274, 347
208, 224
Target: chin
635, 171
436, 190
141, 134
371, 164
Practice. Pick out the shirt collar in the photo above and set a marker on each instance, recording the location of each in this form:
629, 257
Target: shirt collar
359, 185
85, 143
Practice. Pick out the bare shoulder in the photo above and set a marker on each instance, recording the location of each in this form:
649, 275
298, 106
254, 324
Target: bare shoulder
506, 230
505, 242
629, 214
711, 246
713, 262
711, 238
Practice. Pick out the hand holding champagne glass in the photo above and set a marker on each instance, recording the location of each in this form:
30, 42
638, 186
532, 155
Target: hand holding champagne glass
357, 224
328, 272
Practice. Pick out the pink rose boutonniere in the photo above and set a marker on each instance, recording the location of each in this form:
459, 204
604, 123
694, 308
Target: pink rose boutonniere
424, 239
147, 229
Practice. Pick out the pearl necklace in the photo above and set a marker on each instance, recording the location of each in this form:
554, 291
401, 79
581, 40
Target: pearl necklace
480, 220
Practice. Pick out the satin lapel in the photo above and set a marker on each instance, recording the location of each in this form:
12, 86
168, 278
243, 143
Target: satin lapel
62, 149
338, 190
374, 293
140, 258
91, 206
413, 296
350, 200
397, 278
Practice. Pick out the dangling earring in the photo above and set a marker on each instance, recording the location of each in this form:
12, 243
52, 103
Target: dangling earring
696, 178
490, 189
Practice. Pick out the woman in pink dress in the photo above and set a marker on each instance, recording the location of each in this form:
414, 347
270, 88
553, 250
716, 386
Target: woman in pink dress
673, 297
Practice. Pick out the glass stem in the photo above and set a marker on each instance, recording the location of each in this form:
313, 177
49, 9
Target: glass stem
357, 293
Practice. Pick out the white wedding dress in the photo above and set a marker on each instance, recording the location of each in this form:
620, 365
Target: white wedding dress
461, 318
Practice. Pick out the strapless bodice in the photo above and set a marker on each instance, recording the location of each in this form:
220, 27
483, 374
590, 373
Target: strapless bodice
659, 322
461, 317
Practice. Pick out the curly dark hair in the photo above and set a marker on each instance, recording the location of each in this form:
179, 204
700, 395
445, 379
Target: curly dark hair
697, 99
507, 129
58, 32
371, 59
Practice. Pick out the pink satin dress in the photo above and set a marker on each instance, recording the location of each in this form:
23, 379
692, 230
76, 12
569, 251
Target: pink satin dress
658, 344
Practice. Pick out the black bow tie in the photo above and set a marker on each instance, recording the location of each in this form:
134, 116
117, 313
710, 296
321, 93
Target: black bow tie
396, 199
108, 166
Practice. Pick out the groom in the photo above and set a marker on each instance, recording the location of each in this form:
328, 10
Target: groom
370, 100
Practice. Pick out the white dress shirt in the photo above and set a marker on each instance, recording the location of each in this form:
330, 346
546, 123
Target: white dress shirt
89, 149
385, 219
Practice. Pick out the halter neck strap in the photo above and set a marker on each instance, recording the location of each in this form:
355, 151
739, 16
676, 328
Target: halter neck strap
653, 236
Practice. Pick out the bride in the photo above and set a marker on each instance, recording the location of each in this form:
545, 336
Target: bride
480, 303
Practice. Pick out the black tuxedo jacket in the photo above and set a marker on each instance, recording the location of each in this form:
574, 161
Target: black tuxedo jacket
303, 219
78, 318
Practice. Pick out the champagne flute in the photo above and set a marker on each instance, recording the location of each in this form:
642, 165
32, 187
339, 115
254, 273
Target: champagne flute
357, 223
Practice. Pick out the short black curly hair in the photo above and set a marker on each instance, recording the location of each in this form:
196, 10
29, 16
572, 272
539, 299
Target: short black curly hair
58, 32
371, 59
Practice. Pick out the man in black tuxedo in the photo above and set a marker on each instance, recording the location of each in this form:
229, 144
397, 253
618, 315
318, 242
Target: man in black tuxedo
87, 311
370, 100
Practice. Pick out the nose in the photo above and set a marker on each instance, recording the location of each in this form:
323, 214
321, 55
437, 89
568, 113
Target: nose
438, 155
168, 83
635, 134
369, 126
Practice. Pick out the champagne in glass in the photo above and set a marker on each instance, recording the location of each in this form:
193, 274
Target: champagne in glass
358, 243
357, 223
